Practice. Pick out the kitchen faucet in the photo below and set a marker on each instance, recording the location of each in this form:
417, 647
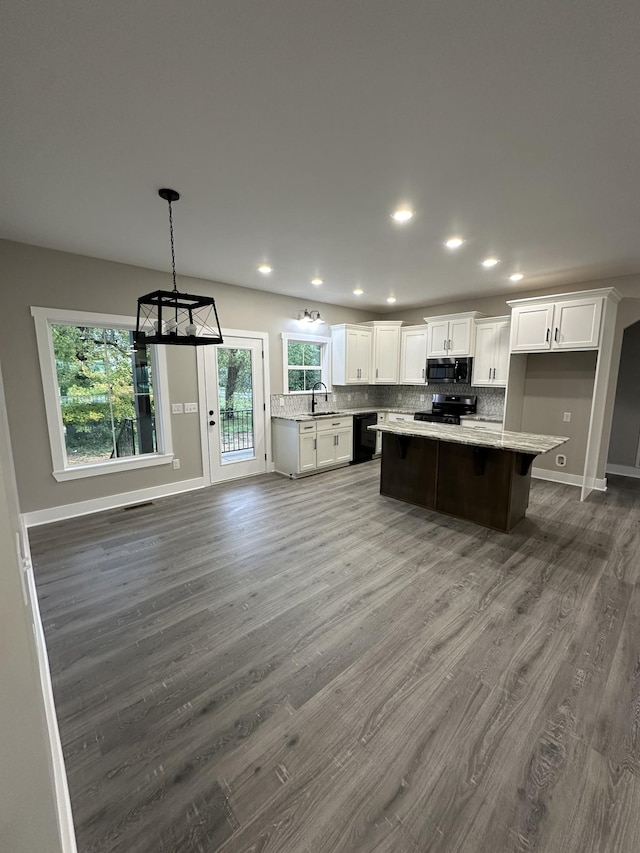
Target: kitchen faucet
313, 395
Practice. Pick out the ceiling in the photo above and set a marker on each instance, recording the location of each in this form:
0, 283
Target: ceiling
292, 130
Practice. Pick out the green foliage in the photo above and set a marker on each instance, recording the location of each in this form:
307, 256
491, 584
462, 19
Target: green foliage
304, 365
95, 371
234, 378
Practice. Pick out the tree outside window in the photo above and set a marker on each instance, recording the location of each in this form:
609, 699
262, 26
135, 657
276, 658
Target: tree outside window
304, 365
106, 393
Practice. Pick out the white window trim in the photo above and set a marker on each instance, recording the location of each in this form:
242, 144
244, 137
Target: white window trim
325, 367
44, 318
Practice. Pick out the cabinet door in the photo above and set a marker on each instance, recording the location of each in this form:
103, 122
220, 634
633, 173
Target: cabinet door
364, 356
386, 355
413, 356
577, 324
531, 327
484, 361
325, 449
351, 358
438, 339
501, 353
343, 450
460, 336
306, 453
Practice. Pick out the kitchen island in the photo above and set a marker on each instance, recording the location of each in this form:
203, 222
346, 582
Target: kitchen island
482, 477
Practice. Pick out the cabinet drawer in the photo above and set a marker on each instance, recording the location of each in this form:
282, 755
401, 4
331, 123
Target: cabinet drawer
394, 417
488, 426
306, 427
332, 424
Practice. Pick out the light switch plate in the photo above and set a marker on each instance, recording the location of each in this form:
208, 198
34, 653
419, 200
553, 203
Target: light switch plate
176, 408
190, 407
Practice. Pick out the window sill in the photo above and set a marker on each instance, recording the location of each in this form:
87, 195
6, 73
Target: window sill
113, 466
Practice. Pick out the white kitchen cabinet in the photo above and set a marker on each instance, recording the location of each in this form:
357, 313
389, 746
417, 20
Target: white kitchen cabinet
491, 361
451, 335
350, 354
413, 355
555, 323
305, 447
385, 351
488, 426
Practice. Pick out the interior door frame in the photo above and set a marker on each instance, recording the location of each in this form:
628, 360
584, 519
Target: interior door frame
202, 400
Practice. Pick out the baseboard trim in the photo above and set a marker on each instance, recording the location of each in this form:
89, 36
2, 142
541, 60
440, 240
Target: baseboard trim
600, 484
65, 511
624, 470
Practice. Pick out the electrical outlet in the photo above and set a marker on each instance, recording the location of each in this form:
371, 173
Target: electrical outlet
566, 417
176, 464
176, 408
561, 460
190, 407
281, 401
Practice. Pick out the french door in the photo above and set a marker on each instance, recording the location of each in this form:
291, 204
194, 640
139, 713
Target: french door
235, 413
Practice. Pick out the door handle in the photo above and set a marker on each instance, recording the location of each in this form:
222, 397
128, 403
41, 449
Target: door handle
444, 344
555, 335
449, 342
376, 372
423, 372
210, 411
315, 443
548, 333
212, 423
335, 440
489, 373
494, 373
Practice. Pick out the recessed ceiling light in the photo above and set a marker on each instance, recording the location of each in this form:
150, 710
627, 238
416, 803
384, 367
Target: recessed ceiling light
358, 291
517, 276
402, 215
490, 262
391, 299
265, 269
317, 281
454, 242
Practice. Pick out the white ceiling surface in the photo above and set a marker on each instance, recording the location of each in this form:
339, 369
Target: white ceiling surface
292, 128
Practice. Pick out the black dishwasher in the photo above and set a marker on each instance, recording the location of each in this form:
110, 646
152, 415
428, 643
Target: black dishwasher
364, 439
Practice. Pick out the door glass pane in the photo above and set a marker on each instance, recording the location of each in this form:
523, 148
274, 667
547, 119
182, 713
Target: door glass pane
235, 400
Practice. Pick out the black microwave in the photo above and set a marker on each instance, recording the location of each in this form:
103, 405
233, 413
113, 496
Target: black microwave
449, 371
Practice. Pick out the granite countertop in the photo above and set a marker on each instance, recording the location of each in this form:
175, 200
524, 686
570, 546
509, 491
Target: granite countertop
346, 413
490, 419
521, 442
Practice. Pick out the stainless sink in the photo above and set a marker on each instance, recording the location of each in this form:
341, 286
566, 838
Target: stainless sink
320, 414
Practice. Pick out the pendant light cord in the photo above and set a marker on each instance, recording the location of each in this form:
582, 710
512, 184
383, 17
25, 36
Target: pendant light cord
173, 253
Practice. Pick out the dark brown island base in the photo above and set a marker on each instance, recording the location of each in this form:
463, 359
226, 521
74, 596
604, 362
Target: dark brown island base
482, 478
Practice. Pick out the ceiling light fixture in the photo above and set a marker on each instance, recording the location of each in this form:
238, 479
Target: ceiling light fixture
307, 316
402, 215
317, 281
490, 262
391, 300
516, 276
169, 317
454, 242
265, 269
358, 291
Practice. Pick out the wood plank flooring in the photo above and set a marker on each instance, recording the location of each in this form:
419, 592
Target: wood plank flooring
308, 667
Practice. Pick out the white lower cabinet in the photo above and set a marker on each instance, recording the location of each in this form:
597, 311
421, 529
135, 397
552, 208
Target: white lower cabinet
305, 447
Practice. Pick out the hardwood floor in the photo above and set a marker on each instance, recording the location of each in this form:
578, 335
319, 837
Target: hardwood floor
293, 666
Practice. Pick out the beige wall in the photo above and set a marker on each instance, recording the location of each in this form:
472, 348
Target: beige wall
555, 383
50, 279
28, 819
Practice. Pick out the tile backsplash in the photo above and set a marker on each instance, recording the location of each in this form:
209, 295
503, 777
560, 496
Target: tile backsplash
490, 400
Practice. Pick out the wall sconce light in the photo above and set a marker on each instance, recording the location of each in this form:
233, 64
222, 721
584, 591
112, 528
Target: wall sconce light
308, 316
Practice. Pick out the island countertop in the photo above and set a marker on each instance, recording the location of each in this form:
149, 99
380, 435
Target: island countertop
520, 442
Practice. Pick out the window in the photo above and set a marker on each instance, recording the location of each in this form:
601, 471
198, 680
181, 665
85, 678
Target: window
306, 361
102, 395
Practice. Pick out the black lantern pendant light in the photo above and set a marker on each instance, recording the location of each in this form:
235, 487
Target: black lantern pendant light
169, 317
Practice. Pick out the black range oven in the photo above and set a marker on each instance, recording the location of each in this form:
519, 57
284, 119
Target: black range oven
447, 409
449, 371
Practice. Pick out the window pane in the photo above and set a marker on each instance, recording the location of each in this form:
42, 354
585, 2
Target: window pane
106, 394
296, 380
311, 377
295, 353
311, 354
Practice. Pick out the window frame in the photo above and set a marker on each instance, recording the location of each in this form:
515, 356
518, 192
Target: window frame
44, 318
325, 359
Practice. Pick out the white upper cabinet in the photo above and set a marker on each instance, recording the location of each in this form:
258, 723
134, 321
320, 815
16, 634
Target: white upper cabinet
385, 353
556, 323
350, 354
413, 355
452, 335
491, 362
